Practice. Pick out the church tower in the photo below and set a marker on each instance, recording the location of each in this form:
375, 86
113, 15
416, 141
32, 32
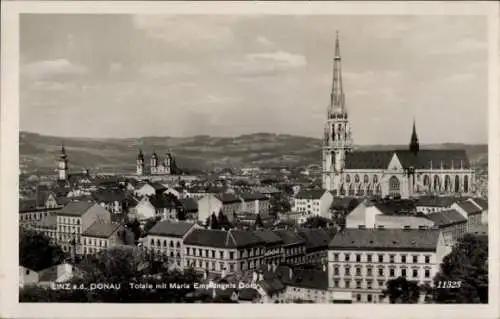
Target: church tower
140, 163
414, 146
62, 167
337, 141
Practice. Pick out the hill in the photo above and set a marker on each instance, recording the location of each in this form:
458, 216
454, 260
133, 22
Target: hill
39, 152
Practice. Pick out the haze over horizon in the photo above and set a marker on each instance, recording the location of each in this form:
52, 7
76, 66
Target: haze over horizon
128, 76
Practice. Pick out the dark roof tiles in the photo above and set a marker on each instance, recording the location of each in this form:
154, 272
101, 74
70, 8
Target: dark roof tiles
446, 218
101, 229
171, 229
76, 208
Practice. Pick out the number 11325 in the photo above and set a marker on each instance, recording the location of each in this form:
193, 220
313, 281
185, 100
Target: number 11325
449, 284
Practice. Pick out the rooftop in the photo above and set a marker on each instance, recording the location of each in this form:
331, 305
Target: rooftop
310, 194
222, 238
386, 239
447, 218
171, 228
289, 237
469, 208
76, 208
101, 230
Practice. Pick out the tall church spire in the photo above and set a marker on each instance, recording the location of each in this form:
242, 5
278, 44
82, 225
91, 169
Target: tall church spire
337, 100
414, 146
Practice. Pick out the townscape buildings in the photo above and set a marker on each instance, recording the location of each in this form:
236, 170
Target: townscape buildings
386, 214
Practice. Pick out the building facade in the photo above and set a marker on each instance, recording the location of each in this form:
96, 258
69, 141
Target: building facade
156, 166
400, 173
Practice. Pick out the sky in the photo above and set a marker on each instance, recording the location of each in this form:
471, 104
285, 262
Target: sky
184, 75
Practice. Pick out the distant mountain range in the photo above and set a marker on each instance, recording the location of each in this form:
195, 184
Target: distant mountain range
40, 152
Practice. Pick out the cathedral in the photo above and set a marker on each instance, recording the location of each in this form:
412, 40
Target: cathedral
156, 166
403, 173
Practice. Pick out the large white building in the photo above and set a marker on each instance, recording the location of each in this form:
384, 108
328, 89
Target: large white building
361, 261
406, 173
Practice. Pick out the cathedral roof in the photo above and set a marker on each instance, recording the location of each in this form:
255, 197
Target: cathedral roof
423, 160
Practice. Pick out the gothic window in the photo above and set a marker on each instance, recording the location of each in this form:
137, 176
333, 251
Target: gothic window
375, 179
437, 183
394, 186
466, 184
361, 191
348, 178
366, 180
369, 190
356, 178
457, 183
378, 190
447, 183
351, 189
426, 180
342, 190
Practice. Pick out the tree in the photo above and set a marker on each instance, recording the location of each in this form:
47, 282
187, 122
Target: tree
135, 228
150, 223
316, 222
258, 221
279, 203
214, 223
400, 290
37, 252
466, 264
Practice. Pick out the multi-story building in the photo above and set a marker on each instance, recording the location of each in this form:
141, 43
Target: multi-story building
74, 219
166, 239
149, 189
361, 261
451, 223
103, 235
274, 251
294, 247
229, 204
111, 199
47, 226
223, 252
313, 202
432, 204
255, 203
482, 204
316, 243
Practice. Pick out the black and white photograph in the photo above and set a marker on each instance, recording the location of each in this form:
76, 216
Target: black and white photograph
253, 158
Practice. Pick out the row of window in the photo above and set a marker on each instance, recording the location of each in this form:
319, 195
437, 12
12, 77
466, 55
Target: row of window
211, 253
159, 243
69, 229
69, 220
381, 258
32, 216
95, 242
380, 272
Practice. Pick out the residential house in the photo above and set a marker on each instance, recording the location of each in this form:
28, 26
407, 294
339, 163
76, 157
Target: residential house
294, 246
361, 261
166, 239
74, 219
269, 191
305, 285
149, 189
470, 211
255, 203
178, 192
313, 202
103, 235
229, 204
113, 200
160, 205
342, 206
27, 277
432, 204
482, 204
47, 226
274, 253
223, 252
190, 208
451, 223
57, 274
316, 243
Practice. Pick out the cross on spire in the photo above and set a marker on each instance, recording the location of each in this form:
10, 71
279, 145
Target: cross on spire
337, 99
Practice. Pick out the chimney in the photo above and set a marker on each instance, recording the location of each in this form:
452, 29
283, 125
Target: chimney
290, 273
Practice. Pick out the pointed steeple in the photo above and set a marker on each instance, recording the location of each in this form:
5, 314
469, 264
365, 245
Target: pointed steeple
414, 146
63, 151
140, 156
337, 99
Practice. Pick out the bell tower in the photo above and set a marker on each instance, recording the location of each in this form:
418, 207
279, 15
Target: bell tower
62, 166
337, 140
140, 163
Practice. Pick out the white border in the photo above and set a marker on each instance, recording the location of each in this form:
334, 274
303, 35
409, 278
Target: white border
9, 161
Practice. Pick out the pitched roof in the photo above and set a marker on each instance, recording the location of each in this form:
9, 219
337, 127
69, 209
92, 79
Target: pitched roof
170, 228
42, 194
27, 204
253, 196
315, 238
108, 195
268, 236
342, 203
157, 186
447, 218
310, 194
227, 198
435, 201
101, 230
222, 238
424, 159
386, 239
469, 208
266, 189
289, 237
189, 204
76, 208
402, 221
481, 202
395, 207
164, 201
